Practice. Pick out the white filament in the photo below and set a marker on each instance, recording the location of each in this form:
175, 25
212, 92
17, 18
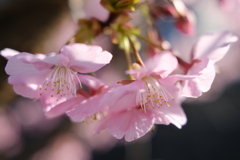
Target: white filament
62, 79
154, 94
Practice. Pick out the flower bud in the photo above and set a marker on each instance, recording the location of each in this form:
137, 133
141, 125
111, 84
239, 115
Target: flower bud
186, 23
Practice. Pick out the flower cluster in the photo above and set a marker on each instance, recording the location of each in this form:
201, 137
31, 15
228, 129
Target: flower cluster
130, 107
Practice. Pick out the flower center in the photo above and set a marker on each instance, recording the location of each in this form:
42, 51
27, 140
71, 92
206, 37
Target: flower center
61, 81
153, 96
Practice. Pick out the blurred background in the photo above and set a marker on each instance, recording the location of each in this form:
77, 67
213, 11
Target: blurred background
43, 26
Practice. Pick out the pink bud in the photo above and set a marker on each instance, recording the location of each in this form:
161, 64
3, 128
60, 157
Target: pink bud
186, 23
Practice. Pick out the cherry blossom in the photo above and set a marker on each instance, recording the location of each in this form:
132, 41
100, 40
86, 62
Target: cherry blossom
54, 77
135, 106
209, 49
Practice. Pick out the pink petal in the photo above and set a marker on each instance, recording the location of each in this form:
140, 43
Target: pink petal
170, 90
173, 79
206, 71
41, 61
119, 91
28, 77
29, 91
85, 108
24, 77
91, 81
213, 46
15, 65
191, 89
127, 101
8, 53
53, 59
161, 64
26, 85
84, 58
51, 98
132, 124
93, 9
161, 118
88, 106
174, 114
63, 107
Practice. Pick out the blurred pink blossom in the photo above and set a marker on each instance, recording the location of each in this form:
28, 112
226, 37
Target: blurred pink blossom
29, 115
87, 9
63, 147
229, 5
186, 24
9, 134
101, 142
93, 9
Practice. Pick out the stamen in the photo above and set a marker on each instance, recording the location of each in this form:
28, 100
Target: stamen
62, 80
154, 95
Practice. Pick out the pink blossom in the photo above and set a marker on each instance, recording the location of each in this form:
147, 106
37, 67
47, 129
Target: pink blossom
101, 142
54, 77
9, 134
209, 49
93, 9
87, 9
229, 5
64, 146
186, 23
150, 99
30, 116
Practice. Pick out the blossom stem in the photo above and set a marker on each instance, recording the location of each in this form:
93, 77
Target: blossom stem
135, 52
150, 42
129, 63
71, 40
